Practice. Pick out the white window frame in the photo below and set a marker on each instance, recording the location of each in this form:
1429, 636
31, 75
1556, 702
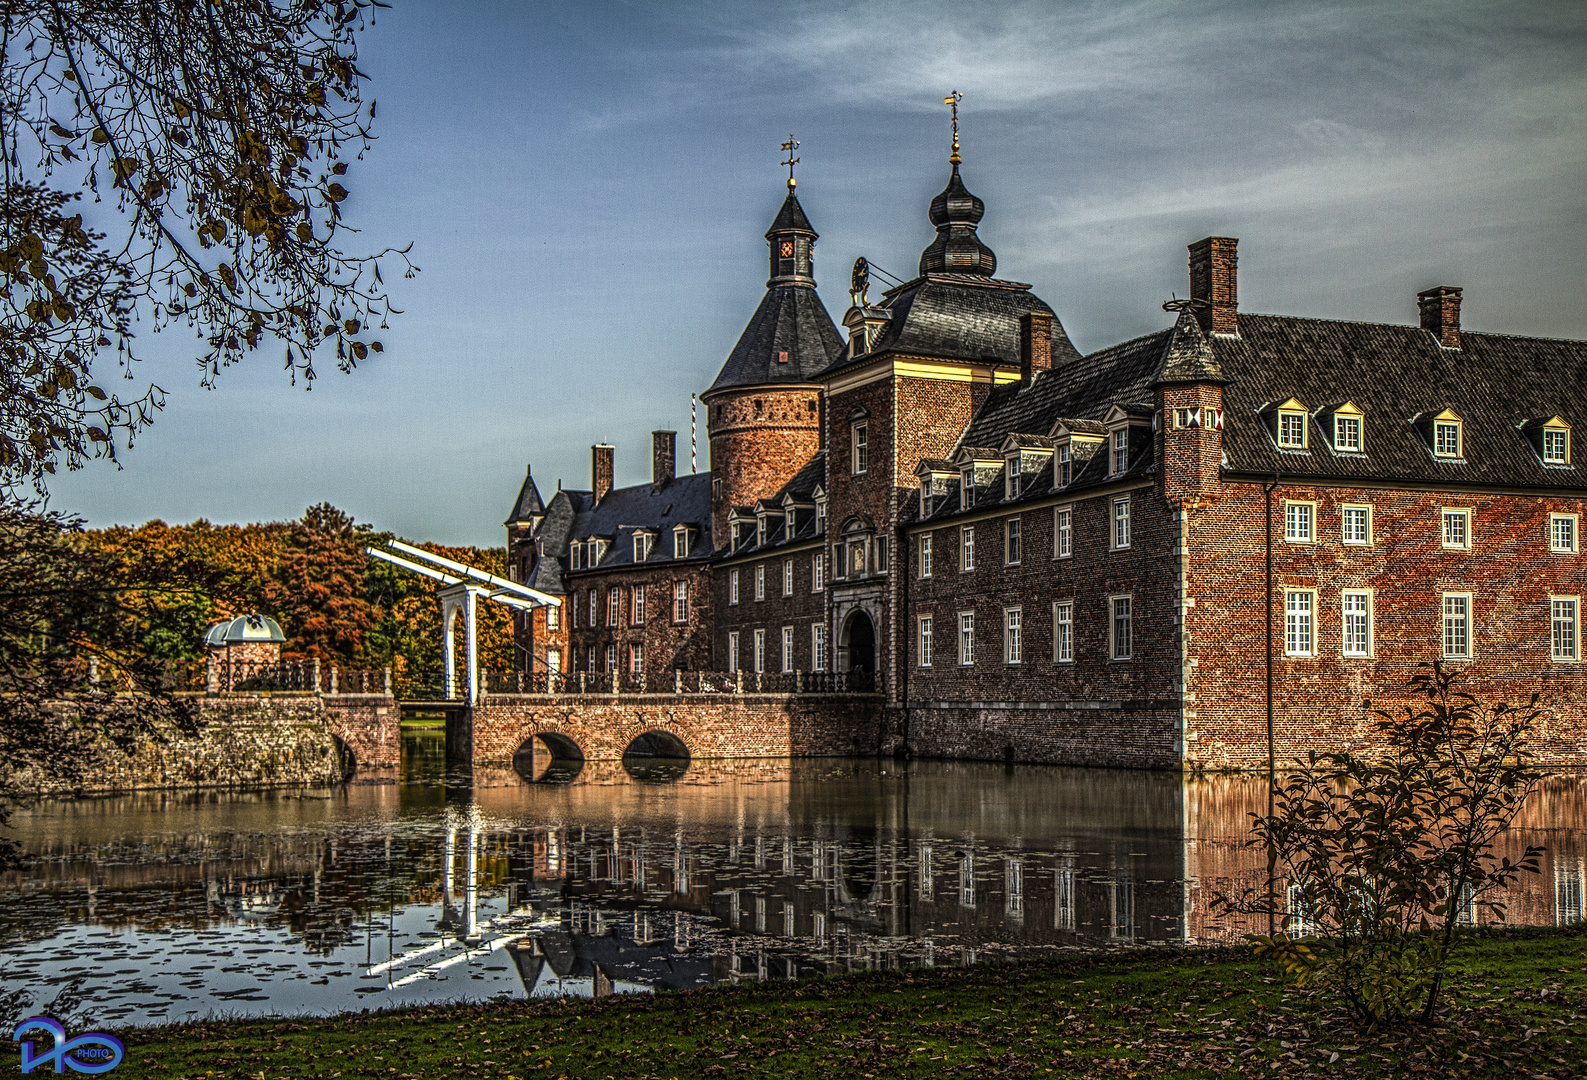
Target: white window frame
611, 659
1440, 427
1563, 434
554, 661
614, 606
554, 617
760, 652
1063, 472
818, 572
1013, 547
1288, 423
966, 548
1013, 637
760, 582
1011, 478
1121, 612
1558, 525
1300, 522
1446, 535
642, 546
1350, 614
1118, 451
967, 488
1063, 635
637, 605
576, 556
1343, 422
787, 650
966, 638
923, 638
1344, 524
732, 586
1300, 622
818, 646
1456, 624
1564, 625
680, 602
787, 577
595, 607
925, 555
859, 448
1063, 531
1119, 524
636, 658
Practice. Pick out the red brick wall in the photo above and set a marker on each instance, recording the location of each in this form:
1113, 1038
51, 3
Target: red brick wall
668, 645
1509, 572
801, 610
370, 726
1189, 459
760, 437
710, 725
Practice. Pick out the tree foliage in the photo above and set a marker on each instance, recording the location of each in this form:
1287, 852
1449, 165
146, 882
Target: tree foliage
213, 139
1385, 857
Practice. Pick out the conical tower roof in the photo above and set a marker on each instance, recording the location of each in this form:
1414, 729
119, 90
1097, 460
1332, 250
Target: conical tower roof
1188, 356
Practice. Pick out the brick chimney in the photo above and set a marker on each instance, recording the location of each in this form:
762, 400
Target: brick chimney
601, 470
1441, 314
1035, 346
1214, 279
663, 458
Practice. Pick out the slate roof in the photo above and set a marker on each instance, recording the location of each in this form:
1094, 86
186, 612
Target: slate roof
1494, 382
791, 319
686, 500
962, 317
791, 218
528, 503
553, 536
1189, 356
811, 475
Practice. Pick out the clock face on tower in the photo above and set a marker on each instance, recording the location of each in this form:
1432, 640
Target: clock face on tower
787, 249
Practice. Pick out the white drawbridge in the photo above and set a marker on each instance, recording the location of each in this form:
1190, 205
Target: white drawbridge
460, 590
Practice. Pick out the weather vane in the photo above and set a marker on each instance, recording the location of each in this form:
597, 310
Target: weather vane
953, 99
789, 147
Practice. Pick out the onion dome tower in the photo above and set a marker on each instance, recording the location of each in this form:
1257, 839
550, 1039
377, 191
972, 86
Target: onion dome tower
956, 212
763, 412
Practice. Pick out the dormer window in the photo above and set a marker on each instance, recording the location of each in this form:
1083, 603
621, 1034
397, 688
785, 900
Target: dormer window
597, 552
1118, 451
967, 488
788, 523
1447, 436
925, 496
642, 542
576, 556
1556, 442
680, 542
1347, 429
1290, 431
760, 531
1011, 477
1066, 468
821, 517
734, 527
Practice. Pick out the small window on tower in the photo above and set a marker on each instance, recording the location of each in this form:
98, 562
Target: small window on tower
787, 249
782, 356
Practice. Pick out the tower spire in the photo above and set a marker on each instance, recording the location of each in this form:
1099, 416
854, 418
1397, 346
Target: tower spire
952, 100
789, 147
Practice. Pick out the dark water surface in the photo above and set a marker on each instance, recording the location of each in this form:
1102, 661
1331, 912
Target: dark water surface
158, 908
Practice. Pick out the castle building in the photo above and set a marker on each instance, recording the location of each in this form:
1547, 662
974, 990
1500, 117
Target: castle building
1151, 555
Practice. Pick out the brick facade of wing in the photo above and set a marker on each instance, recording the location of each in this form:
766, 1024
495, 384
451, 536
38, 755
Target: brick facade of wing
1101, 558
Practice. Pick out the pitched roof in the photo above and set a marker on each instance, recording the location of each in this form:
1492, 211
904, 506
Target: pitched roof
1189, 356
791, 319
684, 501
553, 536
791, 218
1494, 382
528, 503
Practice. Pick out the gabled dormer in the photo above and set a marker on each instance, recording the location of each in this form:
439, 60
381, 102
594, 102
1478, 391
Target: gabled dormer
1287, 424
797, 511
978, 467
1126, 423
936, 477
644, 540
865, 325
1549, 439
740, 527
683, 537
768, 518
1024, 456
1074, 442
1345, 424
1443, 433
819, 495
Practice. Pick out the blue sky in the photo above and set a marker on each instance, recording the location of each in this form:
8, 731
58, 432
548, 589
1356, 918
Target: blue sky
586, 188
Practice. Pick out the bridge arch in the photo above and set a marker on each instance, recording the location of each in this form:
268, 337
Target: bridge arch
656, 756
346, 760
548, 757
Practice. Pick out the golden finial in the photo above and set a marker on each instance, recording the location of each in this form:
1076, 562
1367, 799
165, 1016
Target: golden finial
953, 99
789, 147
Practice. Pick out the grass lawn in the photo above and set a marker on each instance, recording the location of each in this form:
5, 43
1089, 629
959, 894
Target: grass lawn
1518, 1011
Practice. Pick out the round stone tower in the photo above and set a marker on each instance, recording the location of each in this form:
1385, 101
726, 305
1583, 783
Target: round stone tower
763, 412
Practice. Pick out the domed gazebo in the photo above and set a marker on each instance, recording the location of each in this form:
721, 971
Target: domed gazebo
237, 648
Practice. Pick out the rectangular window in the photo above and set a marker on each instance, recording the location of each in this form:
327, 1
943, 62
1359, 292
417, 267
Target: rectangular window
1446, 438
787, 649
818, 646
595, 608
1011, 478
1121, 522
732, 586
1562, 627
925, 555
1457, 529
760, 582
1119, 458
760, 651
821, 517
1556, 446
614, 603
553, 661
1063, 901
639, 605
925, 641
1357, 612
1014, 888
818, 575
1298, 522
787, 577
1300, 637
881, 554
591, 667
732, 650
860, 459
1562, 532
967, 637
1357, 525
1011, 546
680, 601
967, 489
1065, 473
576, 556
553, 618
1063, 632
1063, 532
967, 547
1347, 433
1457, 626
1013, 647
1120, 630
611, 659
642, 546
680, 543
1292, 430
636, 658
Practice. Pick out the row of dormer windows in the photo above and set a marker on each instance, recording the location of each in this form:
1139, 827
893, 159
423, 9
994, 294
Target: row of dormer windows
588, 554
1444, 432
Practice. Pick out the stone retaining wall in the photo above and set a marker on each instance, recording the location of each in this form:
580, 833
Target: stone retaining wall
1111, 734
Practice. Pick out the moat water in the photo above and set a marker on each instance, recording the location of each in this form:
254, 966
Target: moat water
610, 879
